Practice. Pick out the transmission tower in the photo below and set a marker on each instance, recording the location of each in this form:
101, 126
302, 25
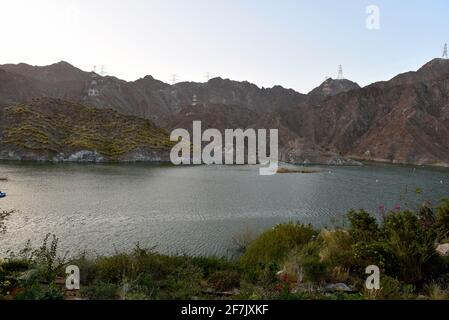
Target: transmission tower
445, 51
93, 87
207, 76
340, 72
194, 100
174, 78
103, 71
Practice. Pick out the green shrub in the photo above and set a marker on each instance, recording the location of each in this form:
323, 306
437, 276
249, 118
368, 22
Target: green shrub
413, 245
377, 253
442, 220
87, 269
309, 260
14, 265
391, 289
183, 283
225, 280
40, 292
363, 226
101, 291
113, 269
274, 245
337, 249
210, 265
46, 260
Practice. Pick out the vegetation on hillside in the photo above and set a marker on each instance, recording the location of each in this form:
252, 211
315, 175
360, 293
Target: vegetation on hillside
289, 261
55, 126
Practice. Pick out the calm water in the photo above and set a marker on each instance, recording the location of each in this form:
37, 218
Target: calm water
197, 210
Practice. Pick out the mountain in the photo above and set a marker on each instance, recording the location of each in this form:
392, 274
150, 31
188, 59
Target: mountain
56, 129
330, 88
14, 88
147, 97
402, 120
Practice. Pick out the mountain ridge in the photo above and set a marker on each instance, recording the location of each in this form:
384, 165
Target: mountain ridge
402, 120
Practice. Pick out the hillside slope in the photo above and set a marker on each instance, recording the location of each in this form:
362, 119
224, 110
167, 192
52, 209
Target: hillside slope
54, 129
403, 120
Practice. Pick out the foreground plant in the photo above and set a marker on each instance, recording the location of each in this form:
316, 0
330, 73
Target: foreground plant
289, 261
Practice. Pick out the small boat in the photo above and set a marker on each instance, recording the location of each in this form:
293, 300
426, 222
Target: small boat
2, 194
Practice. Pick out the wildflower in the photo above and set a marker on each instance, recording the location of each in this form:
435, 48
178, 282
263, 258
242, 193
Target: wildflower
381, 211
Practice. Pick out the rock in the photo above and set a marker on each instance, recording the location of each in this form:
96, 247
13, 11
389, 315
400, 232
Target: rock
443, 249
340, 287
85, 156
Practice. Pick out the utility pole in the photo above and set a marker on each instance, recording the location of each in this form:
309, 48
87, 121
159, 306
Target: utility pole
340, 72
93, 89
174, 78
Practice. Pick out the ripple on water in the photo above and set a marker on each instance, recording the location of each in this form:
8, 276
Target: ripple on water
195, 210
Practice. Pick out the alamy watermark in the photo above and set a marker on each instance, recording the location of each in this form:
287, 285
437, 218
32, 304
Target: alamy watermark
219, 150
373, 280
72, 281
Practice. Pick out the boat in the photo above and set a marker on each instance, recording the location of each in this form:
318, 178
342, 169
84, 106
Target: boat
2, 194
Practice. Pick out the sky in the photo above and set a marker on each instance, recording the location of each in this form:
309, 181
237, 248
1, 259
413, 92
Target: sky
293, 43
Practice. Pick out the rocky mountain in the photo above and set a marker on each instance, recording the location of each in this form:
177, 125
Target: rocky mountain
403, 120
60, 130
330, 88
146, 97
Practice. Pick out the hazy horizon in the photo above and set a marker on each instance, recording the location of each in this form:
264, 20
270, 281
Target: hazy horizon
294, 44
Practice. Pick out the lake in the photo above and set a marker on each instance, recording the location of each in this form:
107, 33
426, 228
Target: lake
104, 208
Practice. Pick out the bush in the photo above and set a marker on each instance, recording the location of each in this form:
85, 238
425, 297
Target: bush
364, 227
442, 220
274, 245
14, 265
183, 283
413, 246
210, 265
225, 280
337, 249
101, 291
375, 253
313, 269
113, 269
40, 292
391, 289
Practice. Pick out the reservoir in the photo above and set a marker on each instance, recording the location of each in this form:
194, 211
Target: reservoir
200, 210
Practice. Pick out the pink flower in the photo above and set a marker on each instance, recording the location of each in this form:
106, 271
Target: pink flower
381, 210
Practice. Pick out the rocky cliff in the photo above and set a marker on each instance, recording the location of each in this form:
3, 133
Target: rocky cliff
403, 120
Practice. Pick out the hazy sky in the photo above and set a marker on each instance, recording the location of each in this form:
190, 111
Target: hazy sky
294, 43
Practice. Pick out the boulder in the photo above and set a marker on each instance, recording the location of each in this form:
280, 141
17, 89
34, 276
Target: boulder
443, 249
339, 287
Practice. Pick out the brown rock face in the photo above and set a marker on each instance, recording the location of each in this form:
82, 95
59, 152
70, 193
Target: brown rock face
330, 88
404, 120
